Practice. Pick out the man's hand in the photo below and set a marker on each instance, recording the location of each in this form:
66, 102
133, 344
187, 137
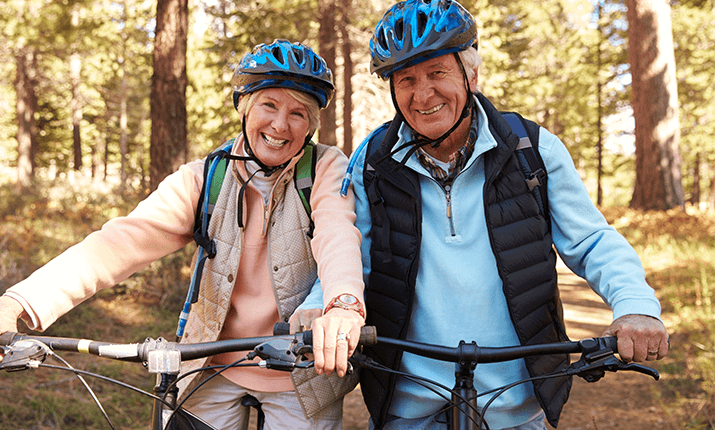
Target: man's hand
640, 338
302, 319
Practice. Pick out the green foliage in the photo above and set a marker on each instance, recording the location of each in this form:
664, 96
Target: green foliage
694, 56
678, 250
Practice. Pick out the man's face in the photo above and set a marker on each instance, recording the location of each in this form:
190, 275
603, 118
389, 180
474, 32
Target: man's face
431, 95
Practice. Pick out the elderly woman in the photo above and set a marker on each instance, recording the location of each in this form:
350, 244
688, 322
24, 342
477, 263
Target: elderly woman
265, 265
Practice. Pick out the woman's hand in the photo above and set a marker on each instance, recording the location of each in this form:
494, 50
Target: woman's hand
10, 311
335, 337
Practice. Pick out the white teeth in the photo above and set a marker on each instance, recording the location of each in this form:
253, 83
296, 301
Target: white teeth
274, 142
433, 110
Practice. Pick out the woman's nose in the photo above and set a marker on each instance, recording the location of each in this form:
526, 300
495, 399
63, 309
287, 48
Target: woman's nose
280, 121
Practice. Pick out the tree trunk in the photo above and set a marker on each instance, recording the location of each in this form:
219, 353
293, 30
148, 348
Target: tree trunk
26, 107
695, 194
655, 106
347, 79
168, 90
123, 116
326, 42
75, 71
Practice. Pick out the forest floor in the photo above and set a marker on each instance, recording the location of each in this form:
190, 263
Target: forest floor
619, 400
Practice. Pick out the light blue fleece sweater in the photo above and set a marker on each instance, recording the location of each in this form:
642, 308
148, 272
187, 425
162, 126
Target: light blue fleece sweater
458, 292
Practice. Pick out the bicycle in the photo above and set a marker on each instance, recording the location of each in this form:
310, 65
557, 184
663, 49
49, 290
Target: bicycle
288, 351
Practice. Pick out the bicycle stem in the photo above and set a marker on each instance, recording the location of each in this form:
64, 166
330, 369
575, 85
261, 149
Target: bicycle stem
465, 418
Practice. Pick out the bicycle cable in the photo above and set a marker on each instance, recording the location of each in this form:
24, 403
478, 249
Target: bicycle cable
237, 363
428, 384
84, 382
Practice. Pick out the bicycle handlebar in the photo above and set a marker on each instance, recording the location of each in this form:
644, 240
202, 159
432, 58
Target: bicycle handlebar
282, 350
139, 352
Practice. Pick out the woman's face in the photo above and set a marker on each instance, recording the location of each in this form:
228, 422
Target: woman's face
276, 126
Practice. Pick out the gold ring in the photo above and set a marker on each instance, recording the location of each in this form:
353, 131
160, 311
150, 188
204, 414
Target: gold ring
343, 336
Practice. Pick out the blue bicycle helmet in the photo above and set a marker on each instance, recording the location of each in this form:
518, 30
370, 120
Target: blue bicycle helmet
414, 31
283, 64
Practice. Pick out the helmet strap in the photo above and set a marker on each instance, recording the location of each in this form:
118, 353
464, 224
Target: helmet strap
421, 140
267, 170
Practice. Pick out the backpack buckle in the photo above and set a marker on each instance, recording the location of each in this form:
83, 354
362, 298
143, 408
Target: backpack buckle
534, 180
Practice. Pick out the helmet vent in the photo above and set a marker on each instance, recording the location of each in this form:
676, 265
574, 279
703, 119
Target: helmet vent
399, 30
422, 20
298, 55
278, 55
382, 41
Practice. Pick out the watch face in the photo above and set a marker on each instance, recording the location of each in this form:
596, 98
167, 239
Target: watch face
348, 299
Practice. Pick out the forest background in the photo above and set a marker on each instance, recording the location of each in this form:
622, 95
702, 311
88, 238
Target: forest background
77, 140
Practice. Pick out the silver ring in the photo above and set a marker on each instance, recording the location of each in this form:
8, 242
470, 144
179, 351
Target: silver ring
343, 336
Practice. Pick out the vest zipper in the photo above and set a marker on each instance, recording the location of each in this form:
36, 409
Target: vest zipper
265, 219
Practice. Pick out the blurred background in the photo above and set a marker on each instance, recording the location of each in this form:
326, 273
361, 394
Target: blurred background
100, 100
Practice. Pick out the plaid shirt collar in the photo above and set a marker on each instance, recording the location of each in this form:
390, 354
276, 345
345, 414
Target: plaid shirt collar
457, 160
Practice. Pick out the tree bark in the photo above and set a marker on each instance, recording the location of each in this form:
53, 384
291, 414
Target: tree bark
168, 90
327, 47
655, 106
75, 70
347, 79
26, 107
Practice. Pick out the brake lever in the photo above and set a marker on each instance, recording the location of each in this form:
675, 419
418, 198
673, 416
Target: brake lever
23, 354
284, 353
598, 357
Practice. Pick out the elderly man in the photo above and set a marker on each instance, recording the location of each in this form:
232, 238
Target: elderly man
456, 246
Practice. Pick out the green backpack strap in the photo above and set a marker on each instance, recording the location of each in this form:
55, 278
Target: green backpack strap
304, 177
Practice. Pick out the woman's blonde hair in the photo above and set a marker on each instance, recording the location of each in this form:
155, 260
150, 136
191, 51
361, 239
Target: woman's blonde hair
246, 103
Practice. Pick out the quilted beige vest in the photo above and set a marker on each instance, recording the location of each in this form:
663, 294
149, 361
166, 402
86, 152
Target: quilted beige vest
293, 272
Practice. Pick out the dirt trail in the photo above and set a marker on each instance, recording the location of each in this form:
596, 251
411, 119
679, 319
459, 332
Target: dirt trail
619, 400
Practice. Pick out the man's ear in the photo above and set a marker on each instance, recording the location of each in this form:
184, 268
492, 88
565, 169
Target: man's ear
474, 82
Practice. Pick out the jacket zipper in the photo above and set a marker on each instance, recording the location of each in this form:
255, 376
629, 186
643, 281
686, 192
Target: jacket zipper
448, 195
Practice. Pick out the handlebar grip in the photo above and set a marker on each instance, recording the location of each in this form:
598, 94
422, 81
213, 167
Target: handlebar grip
281, 328
368, 336
7, 338
611, 342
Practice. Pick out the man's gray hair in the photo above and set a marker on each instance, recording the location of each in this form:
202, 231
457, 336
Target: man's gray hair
471, 61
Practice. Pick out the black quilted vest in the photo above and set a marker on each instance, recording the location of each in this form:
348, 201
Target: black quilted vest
520, 239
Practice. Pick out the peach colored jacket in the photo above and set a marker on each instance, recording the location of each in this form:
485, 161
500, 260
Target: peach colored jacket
163, 223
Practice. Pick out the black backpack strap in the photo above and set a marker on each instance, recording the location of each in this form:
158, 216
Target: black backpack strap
384, 137
527, 151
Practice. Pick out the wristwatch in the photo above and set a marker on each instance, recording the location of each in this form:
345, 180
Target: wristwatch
346, 301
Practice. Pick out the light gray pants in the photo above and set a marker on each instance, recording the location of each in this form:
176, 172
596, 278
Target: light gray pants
432, 423
218, 402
